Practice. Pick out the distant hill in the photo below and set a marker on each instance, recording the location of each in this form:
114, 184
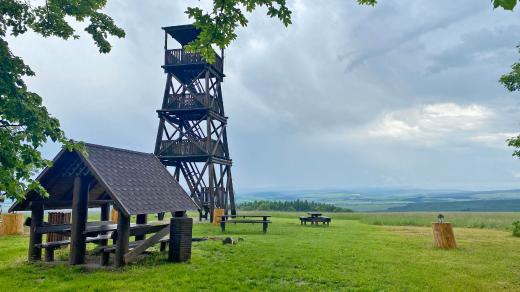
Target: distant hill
474, 206
395, 199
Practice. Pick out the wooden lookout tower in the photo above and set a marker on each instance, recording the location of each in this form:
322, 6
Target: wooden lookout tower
192, 134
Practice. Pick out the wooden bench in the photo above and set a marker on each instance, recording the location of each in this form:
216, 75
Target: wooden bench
105, 251
264, 221
53, 245
315, 220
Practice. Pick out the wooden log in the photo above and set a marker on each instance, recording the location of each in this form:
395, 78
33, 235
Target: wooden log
123, 236
11, 224
78, 244
35, 253
443, 236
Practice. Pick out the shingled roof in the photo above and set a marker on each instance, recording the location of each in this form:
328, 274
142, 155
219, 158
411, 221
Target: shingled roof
137, 182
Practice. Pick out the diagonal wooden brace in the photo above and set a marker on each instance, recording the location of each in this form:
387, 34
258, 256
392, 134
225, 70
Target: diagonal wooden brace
132, 255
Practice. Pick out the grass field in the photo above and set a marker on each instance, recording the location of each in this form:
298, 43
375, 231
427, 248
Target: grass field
348, 255
491, 220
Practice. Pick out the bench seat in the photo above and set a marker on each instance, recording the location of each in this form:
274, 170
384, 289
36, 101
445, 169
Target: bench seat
51, 246
247, 221
265, 223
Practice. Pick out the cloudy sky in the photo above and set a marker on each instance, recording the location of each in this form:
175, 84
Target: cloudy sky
404, 94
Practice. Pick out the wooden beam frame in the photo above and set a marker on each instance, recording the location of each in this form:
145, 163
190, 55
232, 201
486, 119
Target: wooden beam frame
208, 124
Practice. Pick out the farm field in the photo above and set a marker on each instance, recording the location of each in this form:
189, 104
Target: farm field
350, 254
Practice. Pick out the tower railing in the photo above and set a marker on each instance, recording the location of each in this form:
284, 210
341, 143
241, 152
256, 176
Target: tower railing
190, 148
175, 57
188, 101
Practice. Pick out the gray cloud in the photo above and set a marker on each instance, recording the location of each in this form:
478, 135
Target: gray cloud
303, 99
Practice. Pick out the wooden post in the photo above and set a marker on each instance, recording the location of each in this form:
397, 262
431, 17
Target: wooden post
160, 216
141, 219
105, 216
49, 254
231, 194
443, 236
223, 224
78, 245
35, 253
105, 212
211, 191
123, 234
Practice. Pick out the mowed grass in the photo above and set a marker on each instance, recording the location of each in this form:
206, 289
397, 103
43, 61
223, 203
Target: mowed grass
348, 255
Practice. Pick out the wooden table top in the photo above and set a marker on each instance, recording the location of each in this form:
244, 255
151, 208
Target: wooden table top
314, 214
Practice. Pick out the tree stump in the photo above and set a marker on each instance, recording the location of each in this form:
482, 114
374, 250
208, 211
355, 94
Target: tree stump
11, 224
443, 236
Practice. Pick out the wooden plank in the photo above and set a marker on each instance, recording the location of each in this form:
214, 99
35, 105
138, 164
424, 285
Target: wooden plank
132, 255
51, 204
57, 228
247, 221
146, 229
67, 242
67, 227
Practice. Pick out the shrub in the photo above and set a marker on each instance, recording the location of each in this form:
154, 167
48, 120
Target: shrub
516, 228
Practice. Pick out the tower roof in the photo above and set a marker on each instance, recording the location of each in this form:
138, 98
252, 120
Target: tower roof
137, 182
184, 34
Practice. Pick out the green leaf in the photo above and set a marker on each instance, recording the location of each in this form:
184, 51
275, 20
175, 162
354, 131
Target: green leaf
25, 124
505, 4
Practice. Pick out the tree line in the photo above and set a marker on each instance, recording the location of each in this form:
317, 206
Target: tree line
297, 205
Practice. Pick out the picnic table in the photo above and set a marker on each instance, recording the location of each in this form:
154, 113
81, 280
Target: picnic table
315, 218
224, 219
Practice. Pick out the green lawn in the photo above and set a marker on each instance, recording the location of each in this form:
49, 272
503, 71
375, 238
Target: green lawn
348, 255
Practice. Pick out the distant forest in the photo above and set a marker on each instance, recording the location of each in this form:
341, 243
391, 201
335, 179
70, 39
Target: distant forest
297, 205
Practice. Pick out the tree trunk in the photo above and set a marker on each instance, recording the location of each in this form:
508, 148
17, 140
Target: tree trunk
443, 236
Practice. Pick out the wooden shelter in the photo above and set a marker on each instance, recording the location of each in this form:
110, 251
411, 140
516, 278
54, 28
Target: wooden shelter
132, 182
192, 133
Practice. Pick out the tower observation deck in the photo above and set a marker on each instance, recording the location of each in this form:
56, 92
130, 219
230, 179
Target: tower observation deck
192, 136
